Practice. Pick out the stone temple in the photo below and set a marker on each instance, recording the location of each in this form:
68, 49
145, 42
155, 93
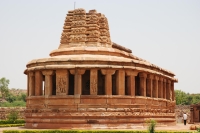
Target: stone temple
92, 82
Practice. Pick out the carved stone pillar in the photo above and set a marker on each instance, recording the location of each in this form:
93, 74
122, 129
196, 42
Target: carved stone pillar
120, 82
160, 88
172, 89
131, 82
149, 85
164, 89
155, 87
38, 83
48, 82
108, 80
62, 82
142, 90
27, 92
31, 83
168, 90
93, 81
191, 115
77, 80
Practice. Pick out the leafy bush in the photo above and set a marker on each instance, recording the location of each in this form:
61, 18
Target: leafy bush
22, 97
13, 116
11, 98
151, 125
198, 129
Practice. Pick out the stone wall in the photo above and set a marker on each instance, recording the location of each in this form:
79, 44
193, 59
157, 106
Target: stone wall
179, 112
4, 111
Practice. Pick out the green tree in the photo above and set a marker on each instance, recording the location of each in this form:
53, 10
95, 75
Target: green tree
196, 99
180, 97
188, 100
11, 98
4, 87
22, 97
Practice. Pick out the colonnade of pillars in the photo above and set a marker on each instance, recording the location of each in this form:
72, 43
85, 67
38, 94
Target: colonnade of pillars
149, 85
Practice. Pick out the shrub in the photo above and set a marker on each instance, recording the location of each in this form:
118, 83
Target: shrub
11, 98
2, 122
13, 116
151, 125
13, 104
11, 125
198, 129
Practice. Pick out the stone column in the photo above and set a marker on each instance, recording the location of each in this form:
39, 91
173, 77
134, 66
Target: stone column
77, 80
172, 89
191, 115
149, 85
31, 83
155, 87
38, 83
160, 88
164, 89
142, 90
48, 82
168, 90
62, 82
120, 82
108, 80
93, 82
131, 81
27, 92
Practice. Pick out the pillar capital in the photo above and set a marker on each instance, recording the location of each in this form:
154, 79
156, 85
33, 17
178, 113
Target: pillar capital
169, 81
107, 71
156, 77
160, 78
47, 72
31, 73
131, 72
61, 71
143, 75
78, 71
149, 76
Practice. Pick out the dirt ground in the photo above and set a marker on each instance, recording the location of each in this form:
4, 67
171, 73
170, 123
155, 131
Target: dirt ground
178, 127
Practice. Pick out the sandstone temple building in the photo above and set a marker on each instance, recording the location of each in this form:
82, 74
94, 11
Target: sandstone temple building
92, 82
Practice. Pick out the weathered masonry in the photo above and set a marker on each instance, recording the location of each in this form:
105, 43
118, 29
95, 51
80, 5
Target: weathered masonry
92, 82
195, 113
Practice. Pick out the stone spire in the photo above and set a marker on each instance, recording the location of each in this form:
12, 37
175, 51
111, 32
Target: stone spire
85, 29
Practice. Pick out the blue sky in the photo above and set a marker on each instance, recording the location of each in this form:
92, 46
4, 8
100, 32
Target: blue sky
163, 32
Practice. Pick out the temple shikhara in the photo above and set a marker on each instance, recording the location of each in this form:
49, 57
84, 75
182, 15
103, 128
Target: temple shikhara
92, 82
